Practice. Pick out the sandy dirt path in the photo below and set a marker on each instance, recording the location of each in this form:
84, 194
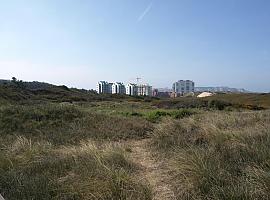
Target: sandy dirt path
154, 171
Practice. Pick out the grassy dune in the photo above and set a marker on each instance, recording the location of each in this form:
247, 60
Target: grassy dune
218, 155
67, 124
39, 170
62, 143
234, 102
56, 151
246, 100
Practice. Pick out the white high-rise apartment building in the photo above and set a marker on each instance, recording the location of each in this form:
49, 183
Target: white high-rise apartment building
103, 87
118, 88
132, 89
144, 90
183, 87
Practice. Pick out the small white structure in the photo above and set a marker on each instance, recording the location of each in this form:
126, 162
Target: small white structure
132, 89
118, 88
205, 94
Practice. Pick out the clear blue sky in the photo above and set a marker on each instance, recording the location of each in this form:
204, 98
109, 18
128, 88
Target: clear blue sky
78, 42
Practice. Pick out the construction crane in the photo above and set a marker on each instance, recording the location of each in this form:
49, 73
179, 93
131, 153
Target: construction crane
138, 80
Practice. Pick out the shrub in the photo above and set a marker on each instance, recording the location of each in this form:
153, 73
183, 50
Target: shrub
217, 104
153, 116
179, 114
136, 114
157, 115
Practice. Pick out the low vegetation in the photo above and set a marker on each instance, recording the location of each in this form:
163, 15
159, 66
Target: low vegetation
67, 124
218, 155
250, 101
38, 170
218, 102
19, 92
65, 143
157, 115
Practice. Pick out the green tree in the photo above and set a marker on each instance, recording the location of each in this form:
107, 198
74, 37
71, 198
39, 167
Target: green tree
14, 79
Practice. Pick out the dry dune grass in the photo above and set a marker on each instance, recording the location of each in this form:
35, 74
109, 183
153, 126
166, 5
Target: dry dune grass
64, 151
55, 151
31, 170
218, 155
67, 124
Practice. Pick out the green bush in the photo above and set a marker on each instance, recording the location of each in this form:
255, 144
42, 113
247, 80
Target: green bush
217, 104
179, 114
153, 116
135, 114
156, 115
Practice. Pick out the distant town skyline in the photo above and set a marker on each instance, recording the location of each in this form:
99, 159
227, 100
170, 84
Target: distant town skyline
78, 43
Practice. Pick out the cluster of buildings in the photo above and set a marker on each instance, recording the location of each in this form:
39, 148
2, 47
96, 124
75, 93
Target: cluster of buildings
132, 89
179, 88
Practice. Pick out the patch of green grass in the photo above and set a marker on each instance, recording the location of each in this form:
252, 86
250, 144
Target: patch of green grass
140, 110
157, 115
118, 108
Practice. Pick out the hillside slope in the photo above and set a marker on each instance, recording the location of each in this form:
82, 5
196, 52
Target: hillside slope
30, 92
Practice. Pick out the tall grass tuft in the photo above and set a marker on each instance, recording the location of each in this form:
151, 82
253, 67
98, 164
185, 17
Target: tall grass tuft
30, 170
218, 155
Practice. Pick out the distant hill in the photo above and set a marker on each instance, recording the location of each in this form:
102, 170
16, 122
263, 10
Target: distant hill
19, 91
34, 85
247, 99
31, 92
221, 89
211, 89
